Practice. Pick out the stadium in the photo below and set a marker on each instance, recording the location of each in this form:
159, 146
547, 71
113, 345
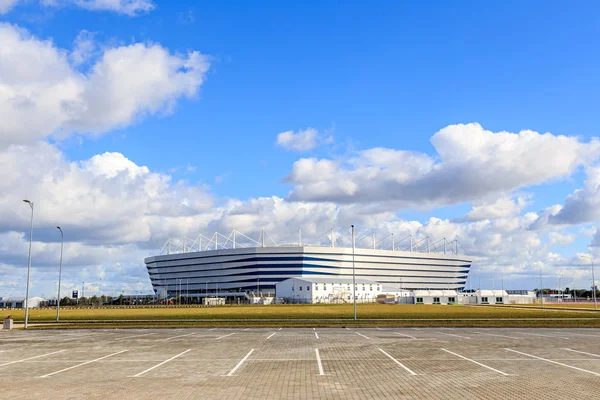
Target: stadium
224, 266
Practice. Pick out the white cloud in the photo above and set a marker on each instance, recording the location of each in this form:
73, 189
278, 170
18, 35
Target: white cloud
471, 164
50, 97
127, 7
106, 199
500, 207
7, 5
83, 48
583, 205
302, 140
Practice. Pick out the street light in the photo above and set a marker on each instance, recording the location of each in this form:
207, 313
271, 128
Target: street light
541, 286
62, 237
28, 264
353, 275
593, 281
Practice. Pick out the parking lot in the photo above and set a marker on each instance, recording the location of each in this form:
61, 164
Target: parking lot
300, 363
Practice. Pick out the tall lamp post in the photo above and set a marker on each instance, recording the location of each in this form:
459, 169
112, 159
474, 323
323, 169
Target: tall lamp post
593, 282
541, 287
62, 237
28, 264
353, 275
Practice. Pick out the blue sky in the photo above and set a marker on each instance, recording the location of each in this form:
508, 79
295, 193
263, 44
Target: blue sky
386, 75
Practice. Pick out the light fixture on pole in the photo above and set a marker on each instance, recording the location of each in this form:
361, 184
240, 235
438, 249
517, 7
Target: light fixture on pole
593, 281
28, 264
62, 237
541, 287
353, 275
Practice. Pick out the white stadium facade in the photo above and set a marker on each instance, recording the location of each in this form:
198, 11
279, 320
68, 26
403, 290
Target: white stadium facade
222, 266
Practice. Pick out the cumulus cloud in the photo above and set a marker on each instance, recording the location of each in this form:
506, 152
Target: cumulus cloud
127, 7
105, 199
471, 164
302, 140
7, 5
502, 206
583, 205
50, 97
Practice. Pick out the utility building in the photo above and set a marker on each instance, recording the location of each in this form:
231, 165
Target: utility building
435, 296
326, 290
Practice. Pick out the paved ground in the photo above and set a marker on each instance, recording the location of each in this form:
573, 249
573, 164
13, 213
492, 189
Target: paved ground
301, 363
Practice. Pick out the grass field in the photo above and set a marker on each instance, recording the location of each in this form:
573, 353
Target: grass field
582, 306
310, 315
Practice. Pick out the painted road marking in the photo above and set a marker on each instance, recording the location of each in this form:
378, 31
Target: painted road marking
398, 362
271, 335
30, 358
554, 362
82, 364
402, 334
538, 334
452, 334
316, 335
490, 334
134, 336
240, 363
162, 363
582, 352
319, 362
224, 336
174, 337
366, 337
478, 363
280, 328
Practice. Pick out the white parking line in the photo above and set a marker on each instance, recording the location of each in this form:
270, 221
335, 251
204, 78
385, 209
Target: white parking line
271, 335
247, 329
164, 362
475, 362
82, 364
319, 362
398, 362
554, 362
366, 337
174, 337
240, 363
490, 334
402, 334
582, 334
224, 336
452, 334
539, 334
582, 352
317, 336
347, 328
30, 358
280, 328
380, 329
134, 336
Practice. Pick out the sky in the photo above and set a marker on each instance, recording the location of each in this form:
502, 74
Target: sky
129, 122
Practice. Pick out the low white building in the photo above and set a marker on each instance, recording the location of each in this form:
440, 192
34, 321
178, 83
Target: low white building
19, 302
484, 297
326, 290
521, 296
435, 297
393, 294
